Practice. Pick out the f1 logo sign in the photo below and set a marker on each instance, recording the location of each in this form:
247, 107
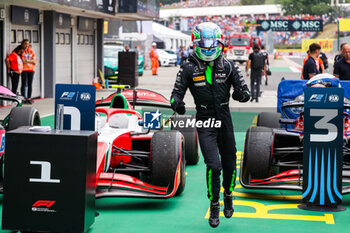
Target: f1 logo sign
45, 173
43, 203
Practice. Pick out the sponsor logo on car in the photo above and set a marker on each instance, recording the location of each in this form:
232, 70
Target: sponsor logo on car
139, 94
67, 95
316, 98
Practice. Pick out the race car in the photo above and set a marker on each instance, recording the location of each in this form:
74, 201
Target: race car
18, 116
273, 155
133, 161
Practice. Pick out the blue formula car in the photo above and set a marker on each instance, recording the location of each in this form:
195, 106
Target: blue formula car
273, 150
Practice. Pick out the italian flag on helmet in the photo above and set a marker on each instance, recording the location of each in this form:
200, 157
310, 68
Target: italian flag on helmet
207, 40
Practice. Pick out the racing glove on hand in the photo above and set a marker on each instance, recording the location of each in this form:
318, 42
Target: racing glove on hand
178, 106
241, 96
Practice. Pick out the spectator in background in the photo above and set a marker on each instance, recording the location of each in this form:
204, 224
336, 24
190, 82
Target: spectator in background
324, 59
319, 64
190, 50
29, 62
256, 61
266, 55
311, 68
15, 66
267, 62
154, 58
178, 56
184, 55
340, 56
342, 67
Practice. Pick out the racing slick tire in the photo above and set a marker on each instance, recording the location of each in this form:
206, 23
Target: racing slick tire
167, 147
191, 140
23, 116
257, 152
269, 119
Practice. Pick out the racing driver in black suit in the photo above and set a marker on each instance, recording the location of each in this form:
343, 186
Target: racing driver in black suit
209, 76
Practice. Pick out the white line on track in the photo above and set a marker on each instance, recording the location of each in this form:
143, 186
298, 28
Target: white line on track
295, 67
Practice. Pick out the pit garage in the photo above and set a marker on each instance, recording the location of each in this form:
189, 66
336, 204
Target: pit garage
63, 38
85, 51
26, 26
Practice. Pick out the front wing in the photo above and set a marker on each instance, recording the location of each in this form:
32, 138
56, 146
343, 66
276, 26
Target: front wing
121, 185
288, 180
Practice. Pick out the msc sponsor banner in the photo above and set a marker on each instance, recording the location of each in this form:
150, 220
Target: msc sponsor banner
290, 25
326, 44
323, 146
79, 106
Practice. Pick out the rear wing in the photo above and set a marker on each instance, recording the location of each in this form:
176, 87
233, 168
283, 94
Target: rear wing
143, 97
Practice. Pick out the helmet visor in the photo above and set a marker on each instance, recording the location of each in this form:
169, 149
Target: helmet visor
207, 43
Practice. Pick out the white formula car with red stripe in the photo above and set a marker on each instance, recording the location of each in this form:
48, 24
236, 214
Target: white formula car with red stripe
133, 161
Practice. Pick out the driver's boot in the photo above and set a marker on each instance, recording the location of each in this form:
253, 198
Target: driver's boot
214, 214
228, 205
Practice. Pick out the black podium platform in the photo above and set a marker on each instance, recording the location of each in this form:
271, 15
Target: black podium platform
50, 180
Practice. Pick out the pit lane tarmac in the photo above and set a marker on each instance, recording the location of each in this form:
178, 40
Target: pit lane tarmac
255, 210
262, 210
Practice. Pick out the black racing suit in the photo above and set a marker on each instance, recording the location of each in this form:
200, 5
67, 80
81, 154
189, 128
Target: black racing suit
212, 101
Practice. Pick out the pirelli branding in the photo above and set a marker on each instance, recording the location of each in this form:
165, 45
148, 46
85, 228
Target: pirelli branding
198, 78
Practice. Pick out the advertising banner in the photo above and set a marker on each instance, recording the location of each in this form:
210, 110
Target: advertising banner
323, 146
290, 25
344, 25
326, 44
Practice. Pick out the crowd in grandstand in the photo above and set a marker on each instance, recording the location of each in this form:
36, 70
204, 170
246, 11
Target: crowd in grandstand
233, 24
202, 3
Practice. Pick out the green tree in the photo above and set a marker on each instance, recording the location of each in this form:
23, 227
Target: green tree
312, 7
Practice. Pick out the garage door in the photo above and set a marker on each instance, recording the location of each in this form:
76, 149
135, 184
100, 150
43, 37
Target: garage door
85, 57
63, 55
32, 33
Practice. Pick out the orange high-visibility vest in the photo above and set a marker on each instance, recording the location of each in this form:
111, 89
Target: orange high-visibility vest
154, 54
28, 55
16, 63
